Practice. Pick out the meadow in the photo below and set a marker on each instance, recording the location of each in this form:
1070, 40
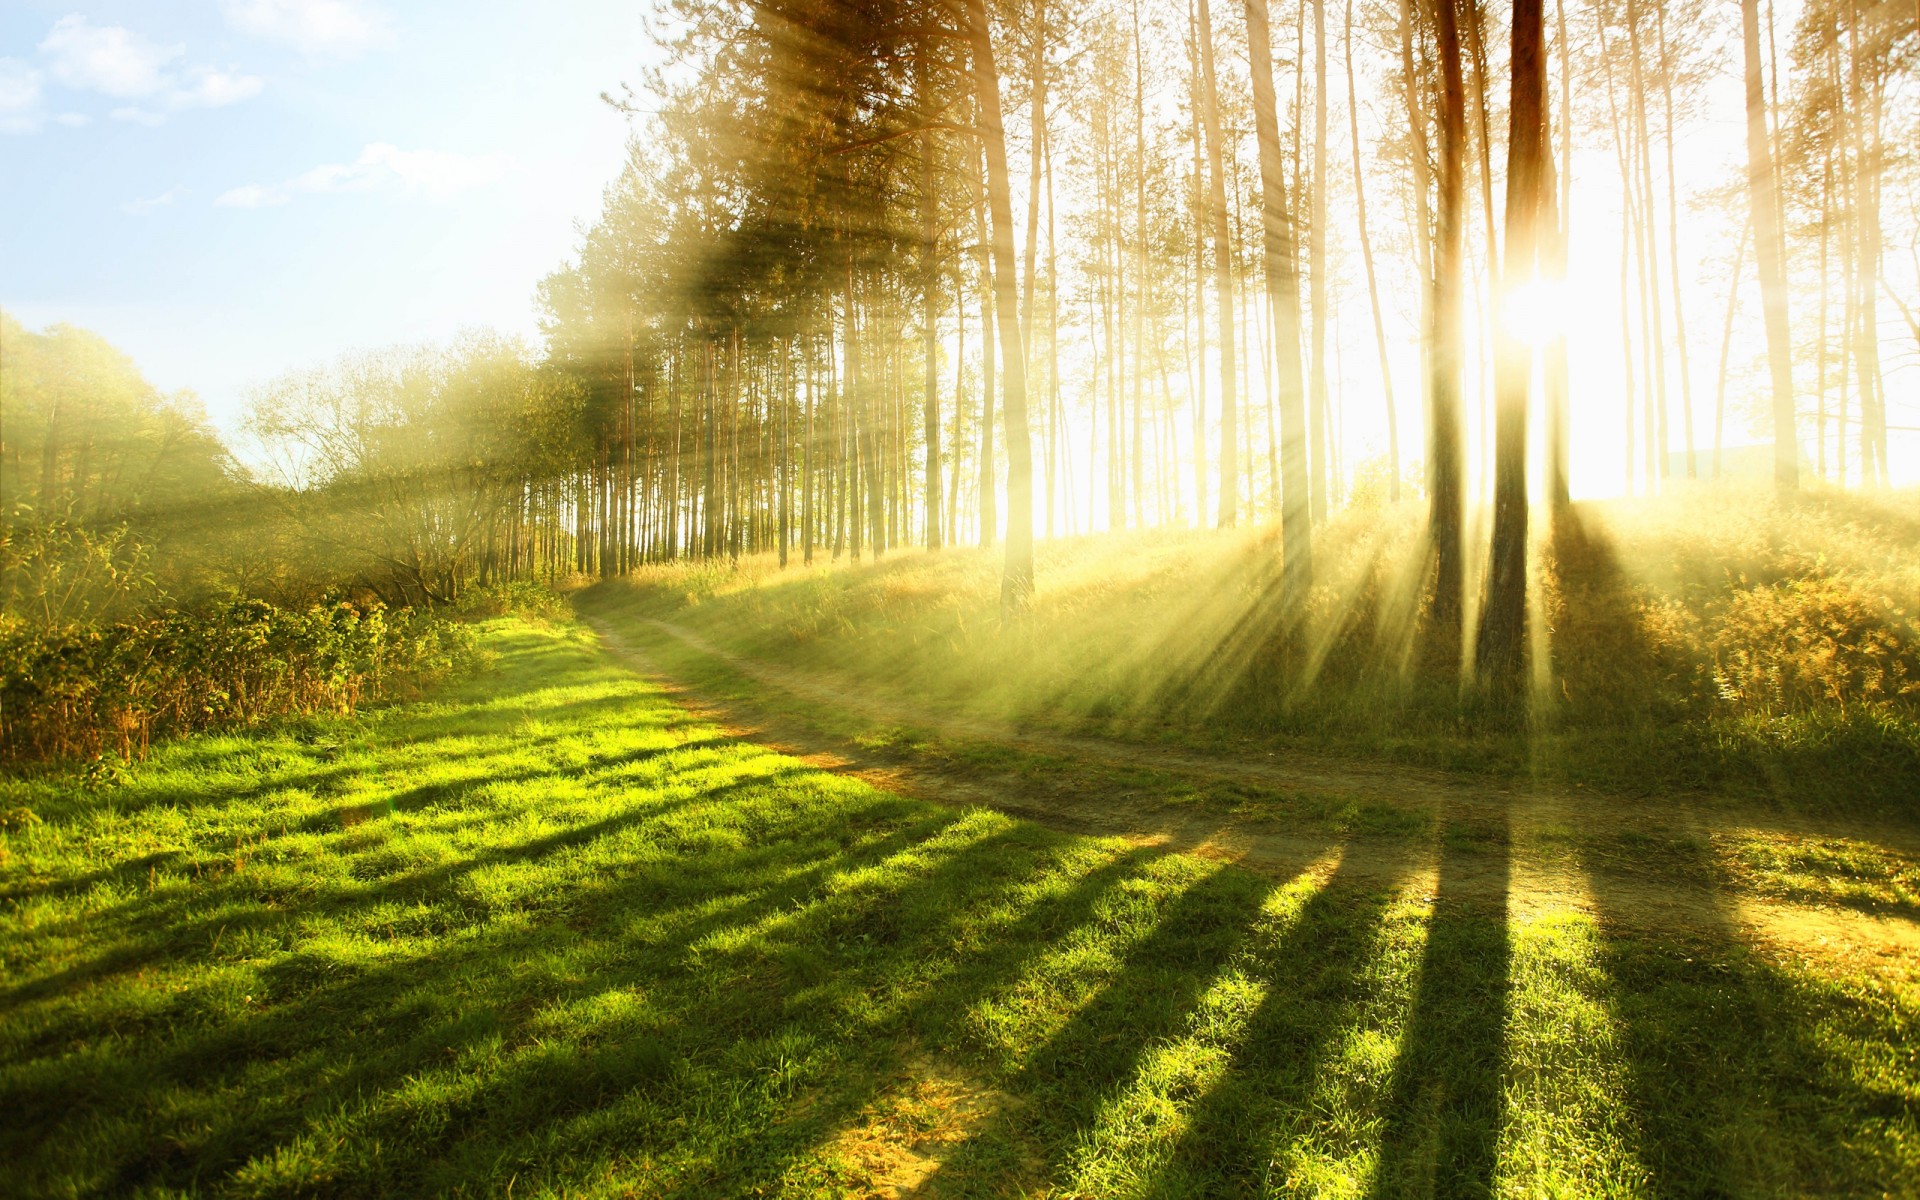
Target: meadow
550, 930
1713, 643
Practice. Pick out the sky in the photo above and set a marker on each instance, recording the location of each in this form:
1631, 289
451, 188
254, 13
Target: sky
230, 189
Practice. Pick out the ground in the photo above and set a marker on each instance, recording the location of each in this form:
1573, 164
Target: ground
629, 915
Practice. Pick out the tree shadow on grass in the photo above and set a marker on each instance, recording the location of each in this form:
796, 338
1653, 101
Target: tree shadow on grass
339, 1037
1445, 1105
1743, 1078
192, 916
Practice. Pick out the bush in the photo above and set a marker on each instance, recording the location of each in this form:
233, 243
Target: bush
1808, 644
81, 692
518, 598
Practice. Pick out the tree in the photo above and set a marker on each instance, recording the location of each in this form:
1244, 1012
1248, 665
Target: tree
1770, 253
1222, 273
1445, 483
1283, 303
1500, 655
1016, 585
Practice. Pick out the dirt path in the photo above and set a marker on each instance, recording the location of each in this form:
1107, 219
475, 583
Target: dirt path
1525, 851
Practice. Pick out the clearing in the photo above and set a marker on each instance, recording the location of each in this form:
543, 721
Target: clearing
572, 928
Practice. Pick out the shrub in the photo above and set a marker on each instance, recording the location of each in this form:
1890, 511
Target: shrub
518, 597
85, 691
1809, 644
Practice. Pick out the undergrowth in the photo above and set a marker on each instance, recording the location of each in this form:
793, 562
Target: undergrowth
1712, 640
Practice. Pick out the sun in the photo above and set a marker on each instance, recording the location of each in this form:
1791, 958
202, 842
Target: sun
1535, 312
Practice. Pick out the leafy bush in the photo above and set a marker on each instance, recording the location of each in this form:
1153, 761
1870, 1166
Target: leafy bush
1808, 644
80, 692
518, 597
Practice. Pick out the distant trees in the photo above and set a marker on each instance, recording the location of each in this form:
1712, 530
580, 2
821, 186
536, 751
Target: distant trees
103, 478
417, 470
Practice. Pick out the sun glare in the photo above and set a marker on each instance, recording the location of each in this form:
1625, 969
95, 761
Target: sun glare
1535, 312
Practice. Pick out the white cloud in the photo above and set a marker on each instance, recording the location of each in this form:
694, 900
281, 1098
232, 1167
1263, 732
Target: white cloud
19, 97
119, 63
135, 115
140, 208
252, 195
316, 27
434, 174
209, 88
73, 120
106, 58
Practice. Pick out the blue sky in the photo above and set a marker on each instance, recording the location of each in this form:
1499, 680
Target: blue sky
228, 189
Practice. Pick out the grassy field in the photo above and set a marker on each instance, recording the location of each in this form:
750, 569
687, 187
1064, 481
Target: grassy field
1712, 643
548, 933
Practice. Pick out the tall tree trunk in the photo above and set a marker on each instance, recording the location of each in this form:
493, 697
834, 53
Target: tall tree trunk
1446, 511
1366, 256
929, 303
1770, 252
1041, 160
1863, 110
1317, 270
1500, 657
1559, 418
1673, 250
1016, 586
1199, 292
989, 516
1222, 276
1659, 442
1283, 306
1140, 269
806, 457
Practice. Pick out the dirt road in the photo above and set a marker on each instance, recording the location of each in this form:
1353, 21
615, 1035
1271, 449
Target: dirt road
1668, 866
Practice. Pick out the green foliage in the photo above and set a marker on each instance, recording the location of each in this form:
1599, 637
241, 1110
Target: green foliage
1809, 644
397, 470
84, 691
92, 456
59, 572
526, 598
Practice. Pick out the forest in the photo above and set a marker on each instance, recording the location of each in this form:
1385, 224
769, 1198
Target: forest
1061, 597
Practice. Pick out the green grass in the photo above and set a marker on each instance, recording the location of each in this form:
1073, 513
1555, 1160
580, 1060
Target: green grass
548, 934
1712, 642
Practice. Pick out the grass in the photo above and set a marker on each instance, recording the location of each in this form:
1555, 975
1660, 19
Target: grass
1715, 643
547, 933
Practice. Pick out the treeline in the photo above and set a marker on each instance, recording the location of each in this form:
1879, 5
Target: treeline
879, 275
150, 586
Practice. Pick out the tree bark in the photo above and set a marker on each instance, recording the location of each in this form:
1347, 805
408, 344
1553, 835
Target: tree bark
1500, 657
1770, 253
1446, 517
1283, 305
1222, 276
1373, 285
1016, 586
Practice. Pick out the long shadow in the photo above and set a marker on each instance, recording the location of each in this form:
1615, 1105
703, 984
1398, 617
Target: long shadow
1152, 993
414, 886
937, 1012
343, 817
285, 1032
1446, 1104
1735, 1081
1315, 974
